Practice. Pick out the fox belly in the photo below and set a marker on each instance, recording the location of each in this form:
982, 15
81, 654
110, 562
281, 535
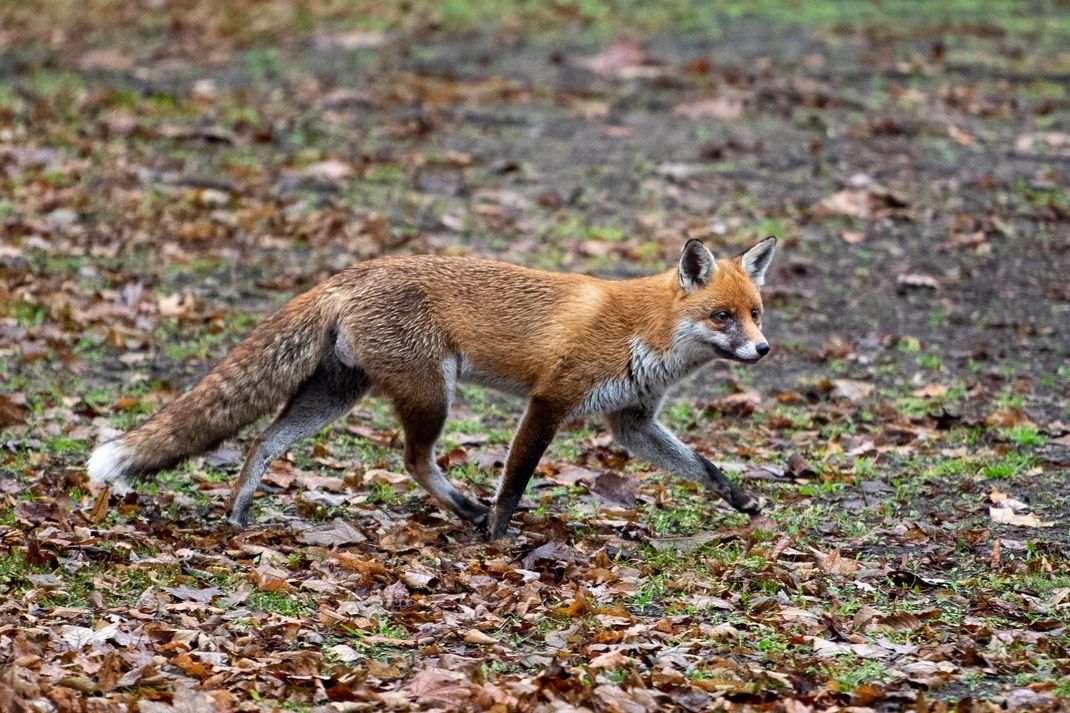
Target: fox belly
469, 373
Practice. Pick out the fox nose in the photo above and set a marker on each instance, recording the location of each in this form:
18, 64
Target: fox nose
762, 348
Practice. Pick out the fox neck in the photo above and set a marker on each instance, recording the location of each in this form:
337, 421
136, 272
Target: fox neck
658, 369
652, 319
665, 346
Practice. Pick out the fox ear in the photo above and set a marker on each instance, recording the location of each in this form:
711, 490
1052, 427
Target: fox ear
756, 260
696, 266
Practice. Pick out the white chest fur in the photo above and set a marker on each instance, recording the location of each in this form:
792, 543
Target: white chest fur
650, 373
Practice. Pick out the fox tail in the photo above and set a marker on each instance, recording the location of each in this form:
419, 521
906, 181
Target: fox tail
257, 376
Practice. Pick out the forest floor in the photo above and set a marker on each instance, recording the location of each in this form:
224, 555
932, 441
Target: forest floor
170, 177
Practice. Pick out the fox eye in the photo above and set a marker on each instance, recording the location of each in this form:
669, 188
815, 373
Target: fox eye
721, 315
756, 314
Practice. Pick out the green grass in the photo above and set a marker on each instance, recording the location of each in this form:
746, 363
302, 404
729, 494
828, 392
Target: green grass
1042, 20
1025, 435
1009, 466
285, 603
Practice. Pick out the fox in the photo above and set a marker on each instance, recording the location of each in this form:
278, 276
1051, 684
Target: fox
414, 326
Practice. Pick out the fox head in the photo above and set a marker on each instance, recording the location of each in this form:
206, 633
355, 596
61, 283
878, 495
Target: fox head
720, 308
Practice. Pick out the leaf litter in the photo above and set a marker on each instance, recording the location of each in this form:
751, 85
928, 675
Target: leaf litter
164, 194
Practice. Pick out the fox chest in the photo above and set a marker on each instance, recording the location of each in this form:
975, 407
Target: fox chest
650, 374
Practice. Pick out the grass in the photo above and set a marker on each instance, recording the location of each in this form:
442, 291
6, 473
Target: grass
939, 475
236, 25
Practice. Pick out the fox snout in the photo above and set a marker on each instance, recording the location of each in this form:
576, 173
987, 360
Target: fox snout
753, 351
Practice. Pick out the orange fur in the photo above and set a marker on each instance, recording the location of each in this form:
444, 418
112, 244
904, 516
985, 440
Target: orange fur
412, 326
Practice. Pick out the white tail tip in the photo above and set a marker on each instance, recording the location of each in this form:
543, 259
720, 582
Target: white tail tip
108, 462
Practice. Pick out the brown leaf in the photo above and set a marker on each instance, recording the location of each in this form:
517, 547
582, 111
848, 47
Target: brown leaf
610, 659
371, 568
456, 456
419, 580
568, 474
851, 203
197, 669
339, 532
741, 405
851, 390
11, 414
616, 488
188, 594
620, 59
432, 686
579, 606
100, 508
106, 59
835, 563
927, 673
552, 553
799, 467
184, 700
864, 617
930, 391
1008, 418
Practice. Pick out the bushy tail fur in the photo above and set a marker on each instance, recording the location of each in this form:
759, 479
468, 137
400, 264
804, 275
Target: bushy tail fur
257, 376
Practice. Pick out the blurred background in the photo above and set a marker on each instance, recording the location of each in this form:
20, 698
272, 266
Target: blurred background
206, 160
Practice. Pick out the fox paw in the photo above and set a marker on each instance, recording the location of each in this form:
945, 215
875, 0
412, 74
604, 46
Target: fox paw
752, 505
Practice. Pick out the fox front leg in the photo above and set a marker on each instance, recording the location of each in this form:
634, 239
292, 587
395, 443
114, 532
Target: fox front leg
638, 430
532, 438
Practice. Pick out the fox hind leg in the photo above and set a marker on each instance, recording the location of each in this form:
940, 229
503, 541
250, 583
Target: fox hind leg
332, 390
423, 416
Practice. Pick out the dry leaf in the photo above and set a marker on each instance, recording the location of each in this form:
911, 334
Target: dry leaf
475, 636
1007, 516
339, 532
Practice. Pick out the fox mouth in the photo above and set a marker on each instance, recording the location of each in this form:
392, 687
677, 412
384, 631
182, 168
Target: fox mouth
723, 353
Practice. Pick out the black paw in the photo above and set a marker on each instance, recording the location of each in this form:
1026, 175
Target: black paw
239, 520
751, 505
497, 529
472, 512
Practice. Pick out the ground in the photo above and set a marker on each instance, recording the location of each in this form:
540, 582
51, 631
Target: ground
170, 173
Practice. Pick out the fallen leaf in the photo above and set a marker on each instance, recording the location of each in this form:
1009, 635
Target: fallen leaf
419, 580
917, 279
835, 563
610, 659
624, 59
851, 390
1007, 516
799, 467
79, 637
727, 108
339, 532
183, 700
189, 594
475, 636
551, 552
11, 414
440, 686
684, 543
616, 488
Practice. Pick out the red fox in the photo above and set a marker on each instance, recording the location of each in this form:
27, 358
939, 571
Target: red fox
415, 326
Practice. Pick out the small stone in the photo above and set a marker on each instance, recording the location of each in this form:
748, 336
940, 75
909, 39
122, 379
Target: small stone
61, 218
